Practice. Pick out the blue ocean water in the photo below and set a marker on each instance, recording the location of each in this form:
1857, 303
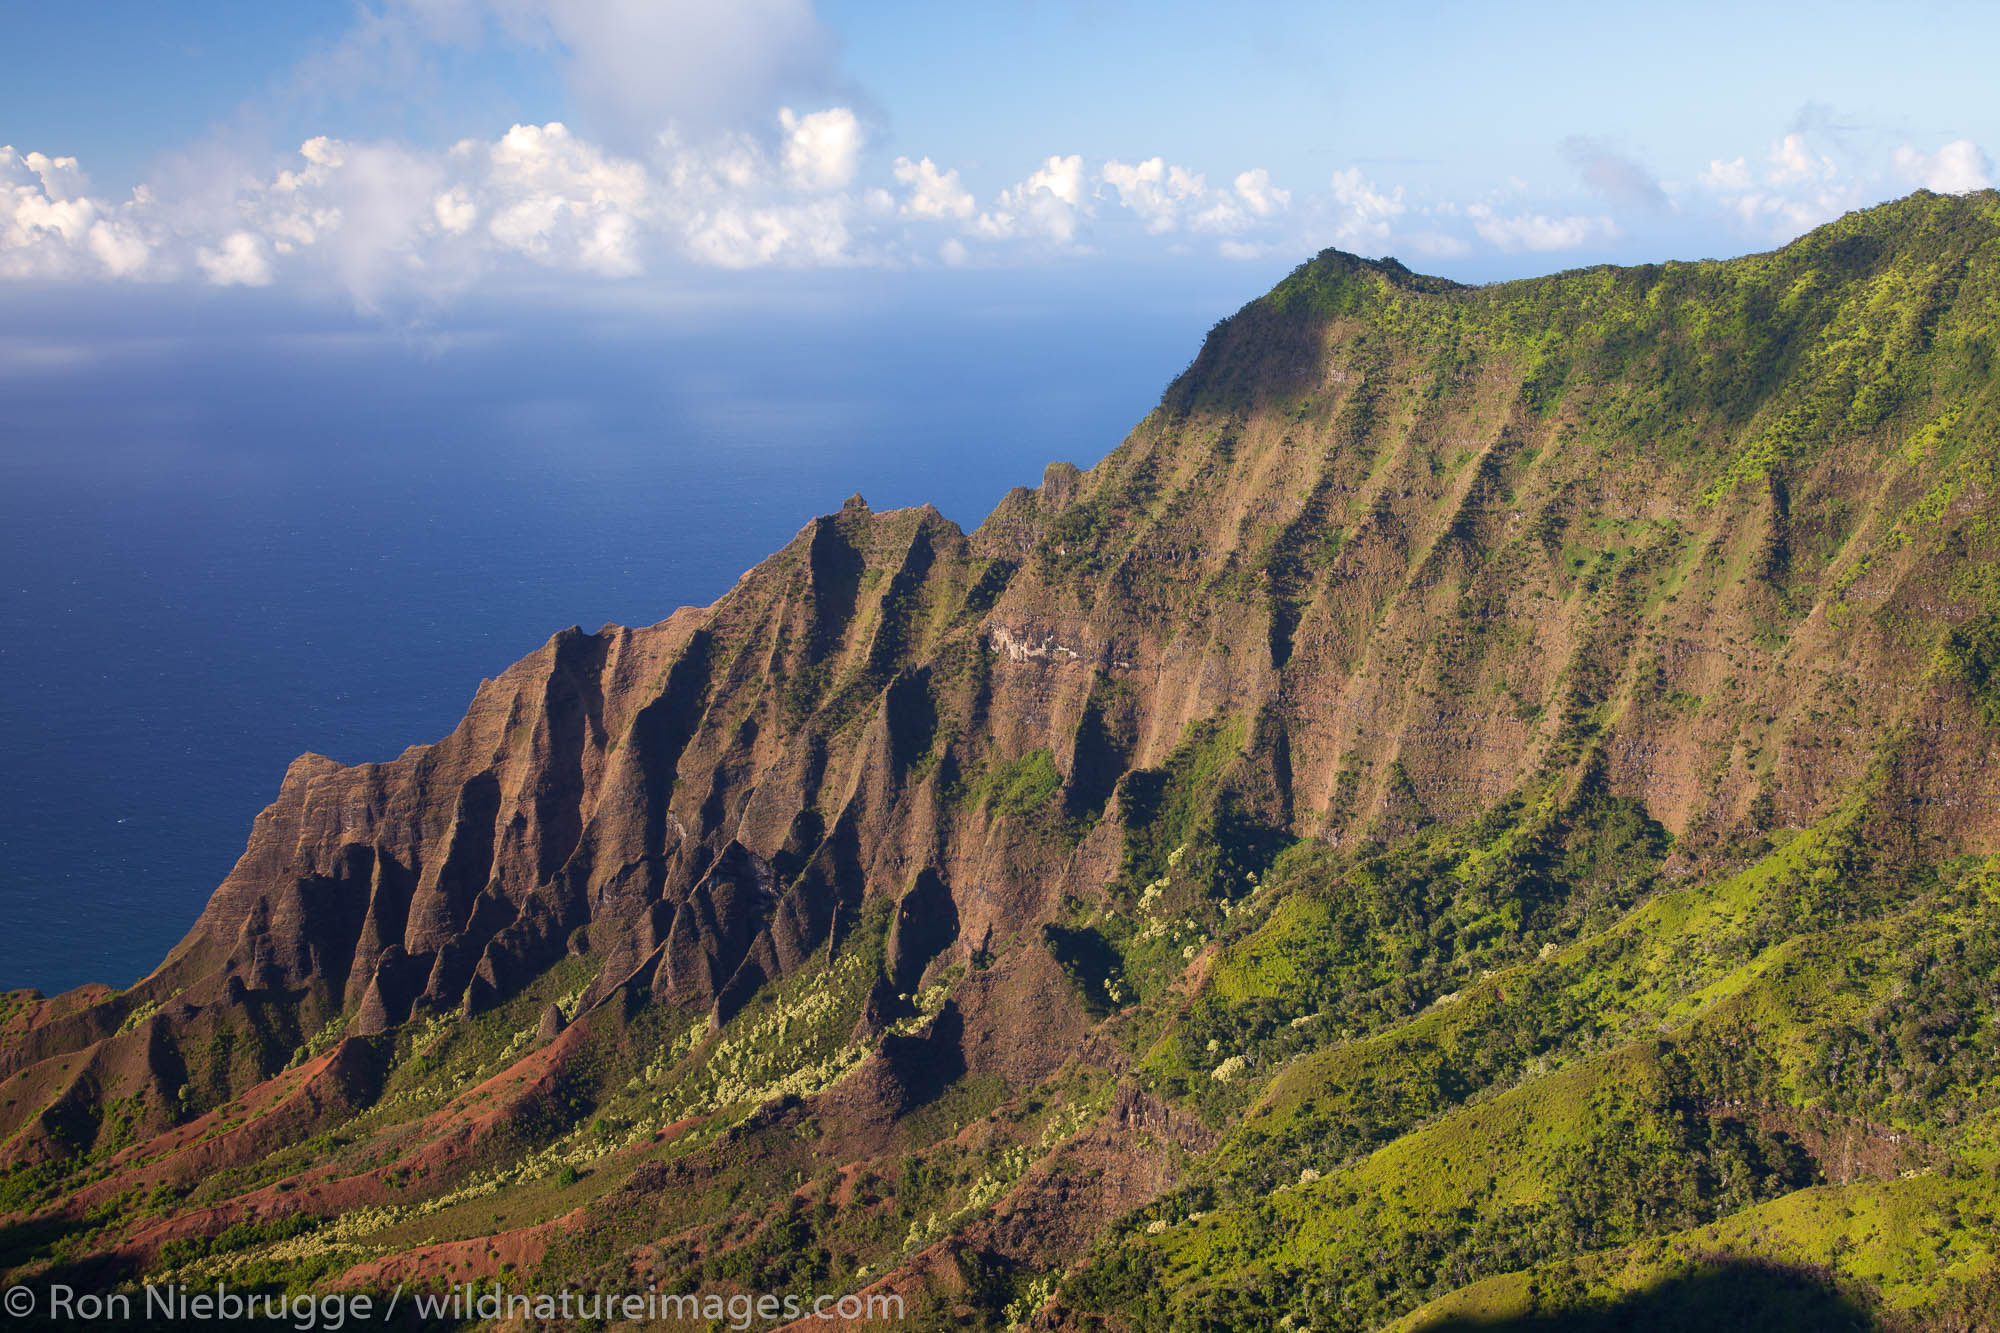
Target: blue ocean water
232, 531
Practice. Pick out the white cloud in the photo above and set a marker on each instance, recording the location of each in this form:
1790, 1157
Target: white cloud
1154, 191
561, 201
1261, 197
1165, 198
1251, 201
367, 212
932, 193
1797, 189
455, 212
1061, 177
51, 228
61, 178
381, 218
1793, 161
1539, 232
243, 259
118, 244
733, 236
1045, 206
1733, 175
1362, 216
37, 212
821, 149
1957, 167
1783, 216
384, 220
378, 218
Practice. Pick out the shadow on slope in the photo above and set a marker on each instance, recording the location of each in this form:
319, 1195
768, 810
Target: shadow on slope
1731, 1296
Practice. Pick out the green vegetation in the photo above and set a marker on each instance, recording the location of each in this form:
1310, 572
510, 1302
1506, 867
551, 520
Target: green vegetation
1021, 787
1972, 654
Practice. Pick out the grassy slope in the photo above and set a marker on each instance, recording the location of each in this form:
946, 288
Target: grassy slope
1674, 1127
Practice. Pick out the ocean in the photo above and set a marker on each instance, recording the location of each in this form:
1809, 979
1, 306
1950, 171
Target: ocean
234, 529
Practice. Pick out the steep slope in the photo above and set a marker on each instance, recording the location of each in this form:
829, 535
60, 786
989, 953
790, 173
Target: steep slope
1504, 727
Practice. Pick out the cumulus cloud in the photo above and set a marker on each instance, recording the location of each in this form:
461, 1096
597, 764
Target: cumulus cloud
1364, 214
933, 193
241, 260
1167, 199
1252, 203
1957, 167
50, 227
821, 149
1353, 213
377, 218
40, 208
1154, 192
1793, 161
1259, 195
1059, 177
1732, 175
560, 201
1796, 189
386, 221
454, 210
367, 212
383, 219
120, 246
389, 222
1537, 231
724, 202
1611, 174
733, 235
1046, 206
689, 95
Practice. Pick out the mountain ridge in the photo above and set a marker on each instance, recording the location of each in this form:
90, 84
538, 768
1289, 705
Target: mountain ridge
1423, 634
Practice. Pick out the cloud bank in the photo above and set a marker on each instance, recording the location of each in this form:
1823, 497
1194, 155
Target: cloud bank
722, 137
377, 217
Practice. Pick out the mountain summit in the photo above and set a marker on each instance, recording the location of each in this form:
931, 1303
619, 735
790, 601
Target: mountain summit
1484, 806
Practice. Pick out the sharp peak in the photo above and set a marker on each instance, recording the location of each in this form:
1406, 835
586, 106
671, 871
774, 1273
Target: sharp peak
1394, 270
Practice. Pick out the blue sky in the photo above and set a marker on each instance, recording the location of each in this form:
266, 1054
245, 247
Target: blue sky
401, 154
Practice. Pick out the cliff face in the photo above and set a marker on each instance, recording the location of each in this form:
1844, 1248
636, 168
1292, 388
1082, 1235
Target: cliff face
1409, 540
1709, 547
